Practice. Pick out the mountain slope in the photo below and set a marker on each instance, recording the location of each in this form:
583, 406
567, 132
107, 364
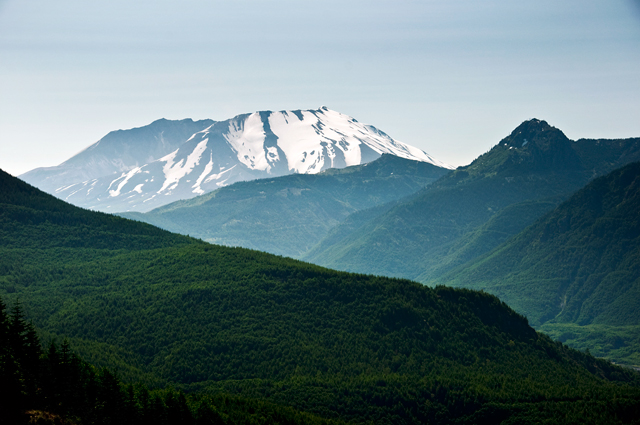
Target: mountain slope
117, 152
288, 215
578, 265
527, 174
246, 147
362, 348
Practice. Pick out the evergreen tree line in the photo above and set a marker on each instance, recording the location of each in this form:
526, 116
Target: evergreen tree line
53, 385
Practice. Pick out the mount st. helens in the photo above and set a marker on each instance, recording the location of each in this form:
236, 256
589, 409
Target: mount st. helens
246, 147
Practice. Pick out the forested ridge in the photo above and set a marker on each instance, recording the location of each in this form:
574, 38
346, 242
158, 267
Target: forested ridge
575, 272
33, 219
337, 345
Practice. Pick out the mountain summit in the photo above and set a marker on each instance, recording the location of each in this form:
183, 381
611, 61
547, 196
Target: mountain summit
534, 131
539, 145
246, 147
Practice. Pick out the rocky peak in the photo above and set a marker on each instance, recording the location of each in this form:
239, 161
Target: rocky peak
534, 132
537, 144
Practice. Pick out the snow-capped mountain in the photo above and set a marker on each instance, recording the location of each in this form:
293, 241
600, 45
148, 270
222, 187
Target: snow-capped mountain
247, 147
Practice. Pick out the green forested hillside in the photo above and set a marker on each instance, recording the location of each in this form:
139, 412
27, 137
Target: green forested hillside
472, 210
52, 385
337, 345
576, 271
288, 215
349, 226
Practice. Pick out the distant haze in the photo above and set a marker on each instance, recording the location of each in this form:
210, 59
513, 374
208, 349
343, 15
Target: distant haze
451, 78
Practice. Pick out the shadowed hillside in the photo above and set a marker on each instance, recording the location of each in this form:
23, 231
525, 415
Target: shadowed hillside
579, 266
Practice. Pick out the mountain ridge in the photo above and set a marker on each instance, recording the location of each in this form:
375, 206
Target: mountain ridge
535, 162
118, 151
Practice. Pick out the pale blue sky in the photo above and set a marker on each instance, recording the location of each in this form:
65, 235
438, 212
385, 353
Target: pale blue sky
451, 77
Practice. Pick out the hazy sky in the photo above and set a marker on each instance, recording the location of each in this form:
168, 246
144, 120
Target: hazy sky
451, 77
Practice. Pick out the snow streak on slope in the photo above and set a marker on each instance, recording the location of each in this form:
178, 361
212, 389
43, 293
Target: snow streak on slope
173, 172
247, 140
247, 147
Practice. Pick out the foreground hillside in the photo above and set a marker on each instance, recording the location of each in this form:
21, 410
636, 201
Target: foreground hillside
290, 214
576, 271
475, 208
354, 347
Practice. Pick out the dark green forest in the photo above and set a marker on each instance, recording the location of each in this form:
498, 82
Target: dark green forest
175, 312
52, 385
